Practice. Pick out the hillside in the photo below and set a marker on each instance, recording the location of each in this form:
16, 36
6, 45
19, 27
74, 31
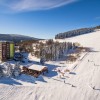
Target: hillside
77, 85
15, 37
76, 32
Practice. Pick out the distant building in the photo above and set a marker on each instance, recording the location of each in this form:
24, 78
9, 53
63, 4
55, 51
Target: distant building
6, 50
18, 56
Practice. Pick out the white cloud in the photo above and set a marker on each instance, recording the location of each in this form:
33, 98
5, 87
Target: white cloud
25, 5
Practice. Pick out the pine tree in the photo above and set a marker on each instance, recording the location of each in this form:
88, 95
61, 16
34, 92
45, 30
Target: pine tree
16, 70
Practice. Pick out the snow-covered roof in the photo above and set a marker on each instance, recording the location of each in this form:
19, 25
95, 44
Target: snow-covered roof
36, 67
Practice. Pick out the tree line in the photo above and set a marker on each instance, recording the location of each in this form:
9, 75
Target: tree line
76, 32
54, 50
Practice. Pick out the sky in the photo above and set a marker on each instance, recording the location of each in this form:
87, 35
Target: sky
46, 18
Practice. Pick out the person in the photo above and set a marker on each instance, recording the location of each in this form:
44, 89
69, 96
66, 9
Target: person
72, 85
64, 81
88, 60
93, 87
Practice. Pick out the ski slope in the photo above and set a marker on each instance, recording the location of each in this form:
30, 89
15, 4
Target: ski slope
76, 86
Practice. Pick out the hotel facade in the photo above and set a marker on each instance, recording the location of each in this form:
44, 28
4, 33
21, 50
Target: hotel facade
6, 50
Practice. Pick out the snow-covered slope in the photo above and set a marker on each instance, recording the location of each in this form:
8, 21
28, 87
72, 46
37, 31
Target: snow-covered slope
77, 85
88, 40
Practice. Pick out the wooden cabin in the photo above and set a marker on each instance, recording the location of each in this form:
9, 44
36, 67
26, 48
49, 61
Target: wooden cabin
34, 70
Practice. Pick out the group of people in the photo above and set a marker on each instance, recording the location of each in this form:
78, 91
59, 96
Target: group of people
70, 84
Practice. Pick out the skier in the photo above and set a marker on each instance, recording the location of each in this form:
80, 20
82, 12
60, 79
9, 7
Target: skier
91, 86
94, 88
64, 81
72, 85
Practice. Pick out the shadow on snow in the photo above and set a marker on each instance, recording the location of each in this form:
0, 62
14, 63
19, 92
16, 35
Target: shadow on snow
9, 81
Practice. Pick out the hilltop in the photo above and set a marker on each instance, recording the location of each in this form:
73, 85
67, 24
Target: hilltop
16, 37
76, 32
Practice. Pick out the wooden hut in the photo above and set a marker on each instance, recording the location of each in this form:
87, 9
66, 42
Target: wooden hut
34, 70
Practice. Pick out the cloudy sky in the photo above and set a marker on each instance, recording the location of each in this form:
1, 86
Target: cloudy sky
45, 18
29, 5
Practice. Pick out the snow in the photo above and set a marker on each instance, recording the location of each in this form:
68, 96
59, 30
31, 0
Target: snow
36, 67
79, 82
